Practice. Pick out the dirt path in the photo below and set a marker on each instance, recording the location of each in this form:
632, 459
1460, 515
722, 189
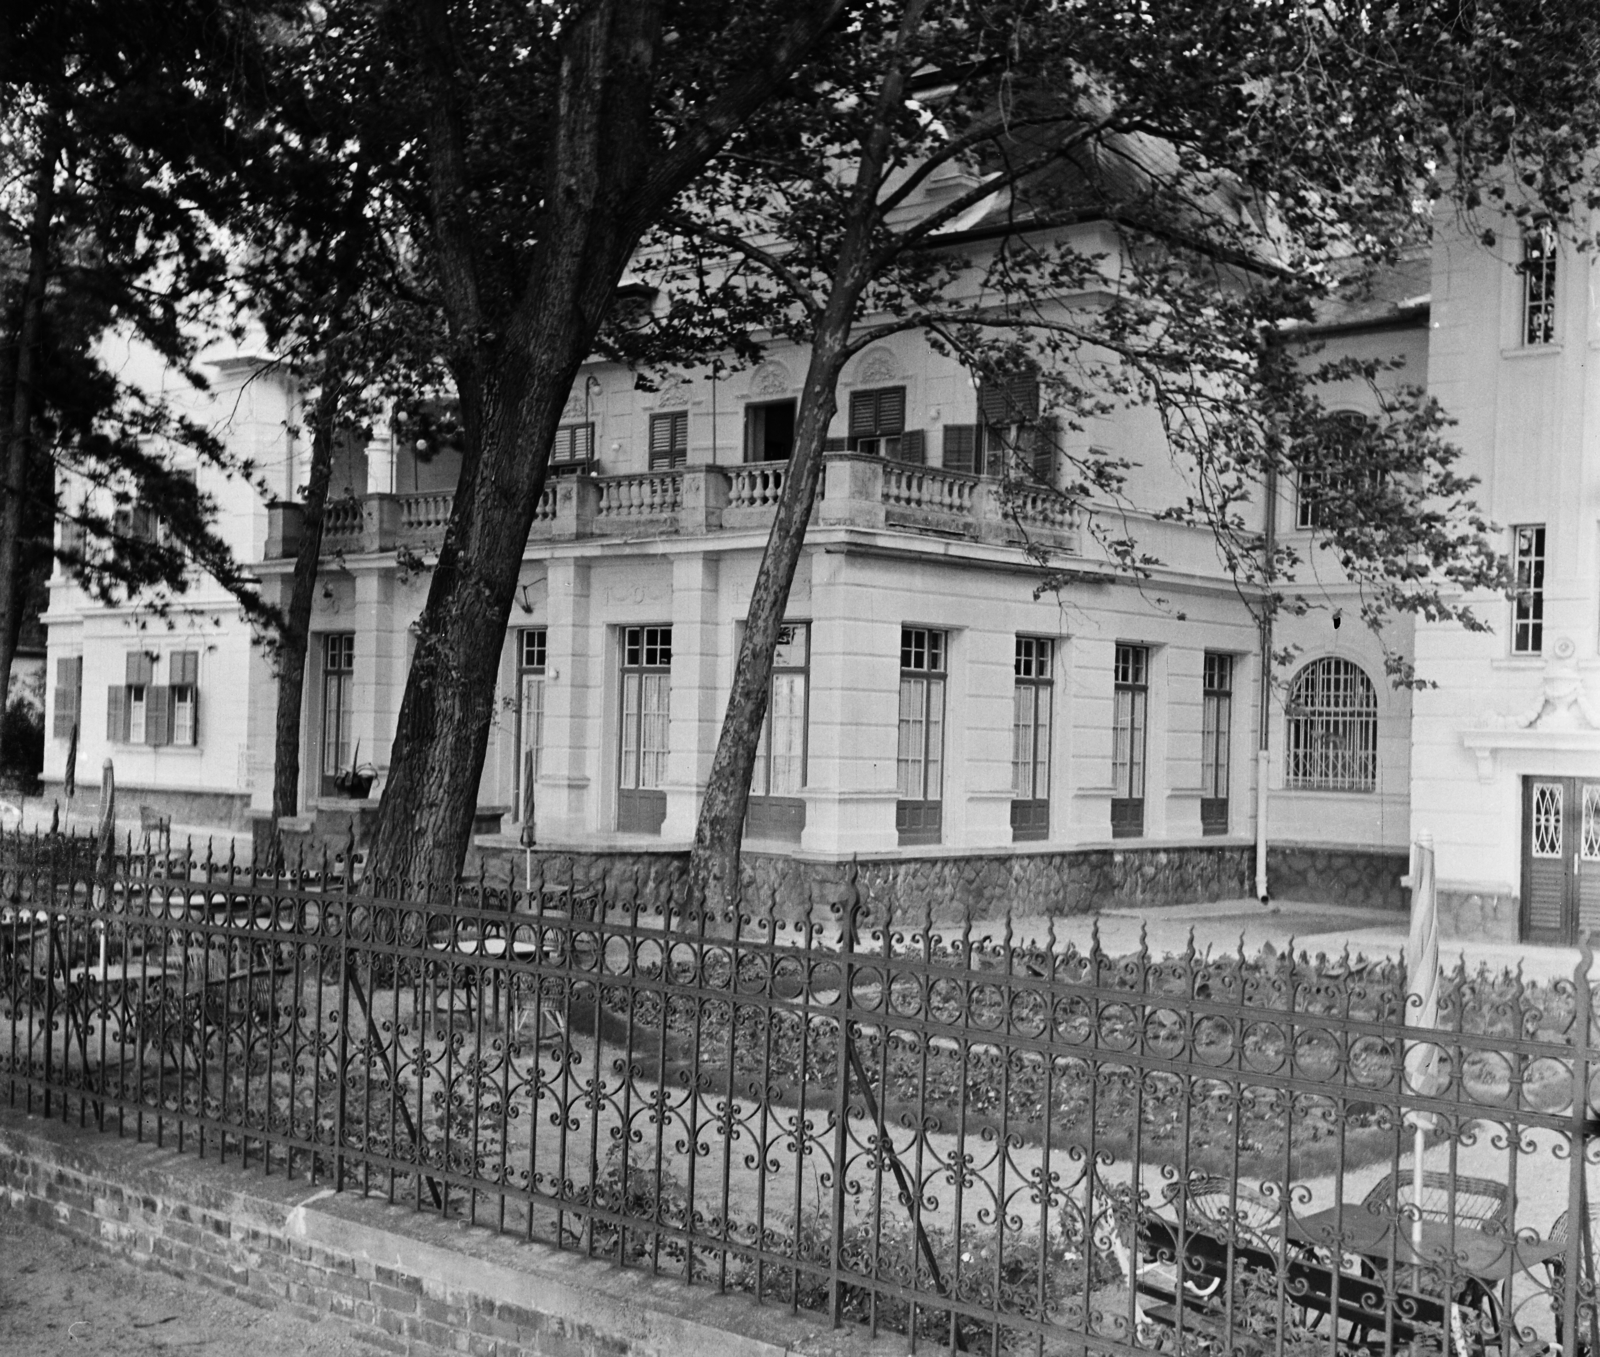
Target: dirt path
60, 1297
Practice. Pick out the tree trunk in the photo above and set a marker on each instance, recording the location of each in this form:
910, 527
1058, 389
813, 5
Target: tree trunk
296, 633
425, 819
719, 829
19, 429
608, 180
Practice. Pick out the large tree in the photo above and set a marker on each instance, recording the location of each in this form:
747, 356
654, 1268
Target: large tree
1250, 159
107, 227
549, 139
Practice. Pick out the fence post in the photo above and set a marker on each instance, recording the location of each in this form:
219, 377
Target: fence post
1579, 1261
849, 905
342, 1066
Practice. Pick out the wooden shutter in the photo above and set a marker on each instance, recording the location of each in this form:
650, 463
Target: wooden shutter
185, 668
194, 723
1009, 400
914, 447
892, 409
960, 447
158, 715
835, 444
669, 440
141, 669
882, 411
116, 714
1039, 443
863, 414
69, 687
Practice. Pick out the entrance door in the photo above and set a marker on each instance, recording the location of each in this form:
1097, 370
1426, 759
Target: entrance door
646, 700
1560, 858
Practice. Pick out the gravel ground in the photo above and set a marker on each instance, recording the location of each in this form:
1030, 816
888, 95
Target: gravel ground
60, 1297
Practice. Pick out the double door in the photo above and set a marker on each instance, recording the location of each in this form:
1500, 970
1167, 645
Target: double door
1560, 858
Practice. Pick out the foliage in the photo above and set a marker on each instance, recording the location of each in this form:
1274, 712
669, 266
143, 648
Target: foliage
22, 741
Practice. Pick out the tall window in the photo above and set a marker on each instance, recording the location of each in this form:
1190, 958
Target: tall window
1539, 285
646, 703
919, 764
1131, 675
769, 431
531, 649
1330, 478
573, 451
1031, 714
878, 425
780, 772
1011, 440
1216, 730
669, 440
1527, 595
1332, 734
338, 705
183, 697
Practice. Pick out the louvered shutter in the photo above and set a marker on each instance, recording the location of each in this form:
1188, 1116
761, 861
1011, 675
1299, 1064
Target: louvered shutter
157, 715
116, 714
892, 409
140, 669
69, 684
1011, 400
1040, 444
669, 440
185, 667
863, 414
960, 447
914, 447
835, 444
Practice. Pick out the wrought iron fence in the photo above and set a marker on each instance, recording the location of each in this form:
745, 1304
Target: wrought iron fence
984, 1138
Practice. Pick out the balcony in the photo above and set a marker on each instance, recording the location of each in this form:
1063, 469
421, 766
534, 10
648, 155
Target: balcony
857, 491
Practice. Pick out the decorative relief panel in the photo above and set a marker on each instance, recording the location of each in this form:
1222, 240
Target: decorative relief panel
770, 379
877, 366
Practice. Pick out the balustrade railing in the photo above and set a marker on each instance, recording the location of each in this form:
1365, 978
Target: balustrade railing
341, 518
979, 1136
426, 512
545, 510
757, 486
657, 494
915, 487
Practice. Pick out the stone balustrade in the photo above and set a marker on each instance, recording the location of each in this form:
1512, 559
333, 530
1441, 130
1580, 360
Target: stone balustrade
856, 491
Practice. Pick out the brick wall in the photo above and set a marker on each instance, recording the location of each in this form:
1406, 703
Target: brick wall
402, 1282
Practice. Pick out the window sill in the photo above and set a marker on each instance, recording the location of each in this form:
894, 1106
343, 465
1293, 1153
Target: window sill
1531, 350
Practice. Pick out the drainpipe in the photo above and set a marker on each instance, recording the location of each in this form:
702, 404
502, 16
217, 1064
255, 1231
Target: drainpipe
1269, 544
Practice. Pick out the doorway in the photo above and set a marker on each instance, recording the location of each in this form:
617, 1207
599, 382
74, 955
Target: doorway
1560, 858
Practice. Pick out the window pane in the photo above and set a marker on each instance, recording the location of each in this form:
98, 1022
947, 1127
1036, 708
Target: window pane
653, 745
786, 722
933, 786
912, 733
630, 731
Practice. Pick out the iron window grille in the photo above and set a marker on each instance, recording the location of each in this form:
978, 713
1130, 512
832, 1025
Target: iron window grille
1332, 731
919, 763
1527, 597
1130, 672
1539, 285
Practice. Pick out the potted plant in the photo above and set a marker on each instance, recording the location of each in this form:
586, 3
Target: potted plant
356, 780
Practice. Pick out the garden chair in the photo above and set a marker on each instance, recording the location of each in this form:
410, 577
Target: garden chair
156, 829
1560, 1232
1477, 1203
1229, 1209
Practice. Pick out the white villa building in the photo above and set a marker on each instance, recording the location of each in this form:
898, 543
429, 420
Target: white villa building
929, 715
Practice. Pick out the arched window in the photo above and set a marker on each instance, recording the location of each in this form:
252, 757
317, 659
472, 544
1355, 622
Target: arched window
1332, 743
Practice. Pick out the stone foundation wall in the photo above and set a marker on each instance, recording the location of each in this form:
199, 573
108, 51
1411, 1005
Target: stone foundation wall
982, 886
399, 1281
1334, 875
1479, 916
